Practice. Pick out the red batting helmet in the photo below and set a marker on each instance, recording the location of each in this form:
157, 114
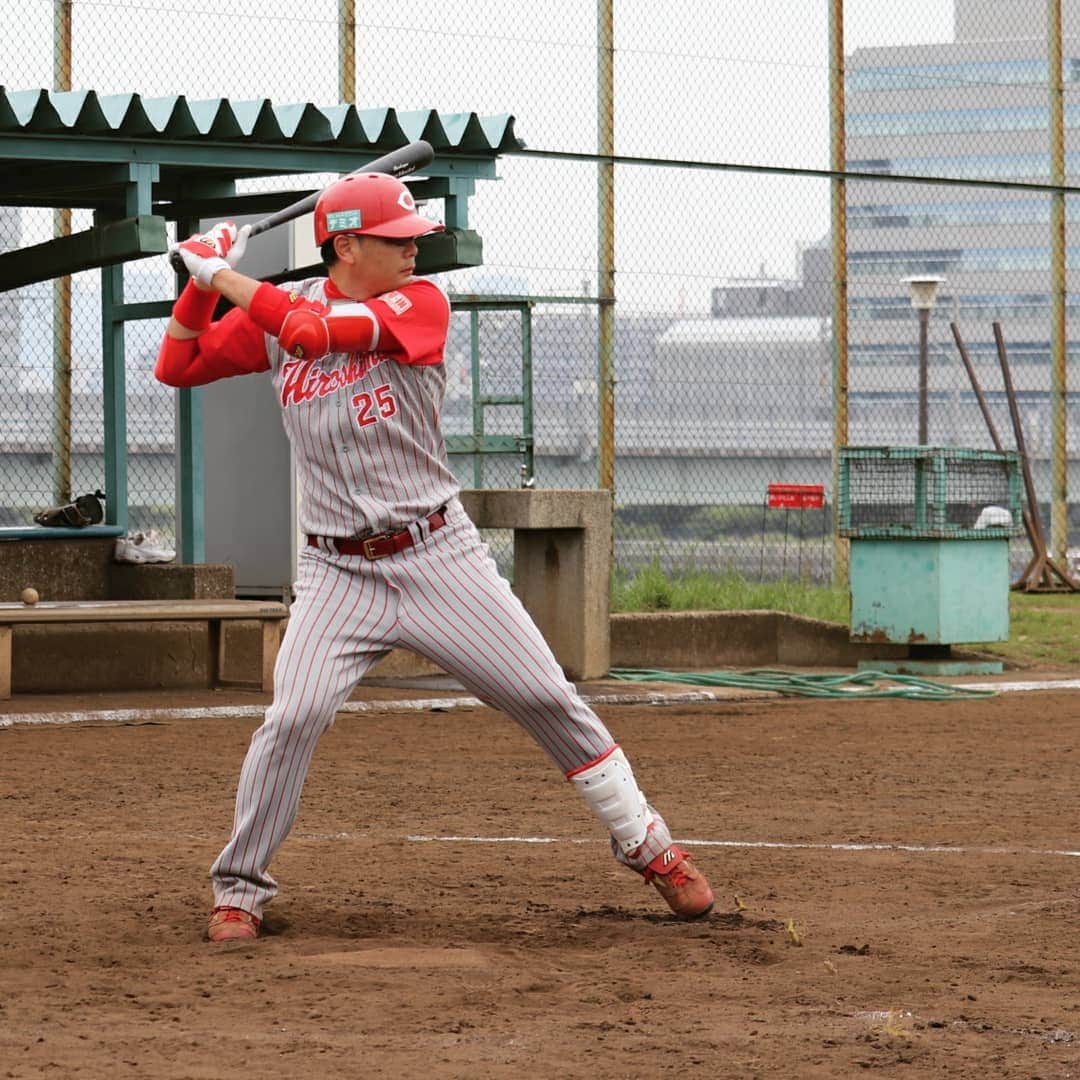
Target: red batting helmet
369, 204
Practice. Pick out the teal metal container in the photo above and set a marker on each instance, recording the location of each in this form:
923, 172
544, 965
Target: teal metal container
929, 592
929, 531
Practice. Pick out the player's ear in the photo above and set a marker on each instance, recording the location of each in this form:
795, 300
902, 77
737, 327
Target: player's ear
344, 248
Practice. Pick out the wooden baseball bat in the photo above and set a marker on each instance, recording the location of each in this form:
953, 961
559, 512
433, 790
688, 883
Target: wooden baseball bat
400, 162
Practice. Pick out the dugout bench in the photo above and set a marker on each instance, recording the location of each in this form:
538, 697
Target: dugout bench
212, 612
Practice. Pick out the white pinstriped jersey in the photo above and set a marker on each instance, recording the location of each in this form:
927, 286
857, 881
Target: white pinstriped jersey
364, 428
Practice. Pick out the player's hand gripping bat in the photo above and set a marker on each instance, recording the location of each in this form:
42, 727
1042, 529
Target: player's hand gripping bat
400, 162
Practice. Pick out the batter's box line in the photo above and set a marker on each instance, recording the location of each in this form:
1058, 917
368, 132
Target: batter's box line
780, 845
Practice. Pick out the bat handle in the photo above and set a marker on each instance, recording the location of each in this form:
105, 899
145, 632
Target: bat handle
176, 262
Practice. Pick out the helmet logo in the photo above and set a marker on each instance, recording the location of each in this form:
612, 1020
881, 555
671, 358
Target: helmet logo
406, 201
343, 219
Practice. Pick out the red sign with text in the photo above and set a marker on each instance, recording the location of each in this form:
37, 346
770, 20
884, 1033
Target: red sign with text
797, 496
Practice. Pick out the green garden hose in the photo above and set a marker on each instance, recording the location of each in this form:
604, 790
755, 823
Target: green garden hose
864, 684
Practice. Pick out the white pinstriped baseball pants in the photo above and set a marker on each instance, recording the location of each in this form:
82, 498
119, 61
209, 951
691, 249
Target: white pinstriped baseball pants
443, 599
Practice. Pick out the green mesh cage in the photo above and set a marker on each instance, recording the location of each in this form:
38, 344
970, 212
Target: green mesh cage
928, 492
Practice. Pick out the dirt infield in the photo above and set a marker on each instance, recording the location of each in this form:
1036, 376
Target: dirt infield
949, 950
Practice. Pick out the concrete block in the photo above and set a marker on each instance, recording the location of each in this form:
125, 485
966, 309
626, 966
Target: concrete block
171, 581
75, 568
562, 566
680, 640
74, 658
702, 640
803, 642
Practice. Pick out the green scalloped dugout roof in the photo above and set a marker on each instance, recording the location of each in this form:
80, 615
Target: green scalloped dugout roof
86, 113
80, 148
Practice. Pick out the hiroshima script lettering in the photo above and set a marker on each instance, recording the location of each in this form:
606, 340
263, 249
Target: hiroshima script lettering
304, 380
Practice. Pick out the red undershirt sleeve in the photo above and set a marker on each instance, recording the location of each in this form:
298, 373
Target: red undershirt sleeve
231, 346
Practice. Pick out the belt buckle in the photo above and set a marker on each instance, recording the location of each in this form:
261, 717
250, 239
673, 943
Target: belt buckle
368, 549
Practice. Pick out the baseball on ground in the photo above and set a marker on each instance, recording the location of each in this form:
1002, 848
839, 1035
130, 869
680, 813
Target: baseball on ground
29, 596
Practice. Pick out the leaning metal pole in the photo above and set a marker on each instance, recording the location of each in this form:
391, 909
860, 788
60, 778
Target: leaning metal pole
605, 270
837, 163
1059, 495
61, 287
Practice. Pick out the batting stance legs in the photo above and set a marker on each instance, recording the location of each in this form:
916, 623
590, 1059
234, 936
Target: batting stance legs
445, 600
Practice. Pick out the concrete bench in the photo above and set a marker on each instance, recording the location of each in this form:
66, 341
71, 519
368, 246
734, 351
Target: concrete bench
212, 612
562, 566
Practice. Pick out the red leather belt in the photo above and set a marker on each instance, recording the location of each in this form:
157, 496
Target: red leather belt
379, 545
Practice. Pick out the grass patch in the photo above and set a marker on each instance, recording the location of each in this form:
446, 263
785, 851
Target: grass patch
653, 590
1044, 631
1044, 628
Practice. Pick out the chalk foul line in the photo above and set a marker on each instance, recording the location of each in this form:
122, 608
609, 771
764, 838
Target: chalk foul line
926, 849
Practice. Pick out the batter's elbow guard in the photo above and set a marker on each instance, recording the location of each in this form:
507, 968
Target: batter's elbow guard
353, 328
304, 334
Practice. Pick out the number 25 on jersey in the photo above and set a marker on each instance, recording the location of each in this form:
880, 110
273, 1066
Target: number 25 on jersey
370, 408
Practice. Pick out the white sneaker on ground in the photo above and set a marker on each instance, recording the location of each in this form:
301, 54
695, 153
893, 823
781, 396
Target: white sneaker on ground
140, 547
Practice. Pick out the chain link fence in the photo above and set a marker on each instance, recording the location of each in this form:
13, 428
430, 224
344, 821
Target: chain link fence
728, 373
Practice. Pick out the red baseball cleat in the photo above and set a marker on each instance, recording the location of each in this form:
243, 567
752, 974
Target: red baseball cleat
680, 883
232, 924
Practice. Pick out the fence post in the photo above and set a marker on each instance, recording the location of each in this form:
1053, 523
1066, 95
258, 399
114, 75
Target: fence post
1059, 498
838, 162
347, 50
61, 286
605, 214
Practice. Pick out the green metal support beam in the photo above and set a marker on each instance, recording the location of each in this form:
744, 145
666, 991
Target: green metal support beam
483, 444
184, 201
191, 493
139, 191
453, 249
227, 160
479, 443
190, 483
116, 242
114, 403
219, 207
454, 192
75, 182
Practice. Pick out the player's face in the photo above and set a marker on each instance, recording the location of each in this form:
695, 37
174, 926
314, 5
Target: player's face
383, 264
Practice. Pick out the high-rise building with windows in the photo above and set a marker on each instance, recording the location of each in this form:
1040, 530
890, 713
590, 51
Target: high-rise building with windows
974, 109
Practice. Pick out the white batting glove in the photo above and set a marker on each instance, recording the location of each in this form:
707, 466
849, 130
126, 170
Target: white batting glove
221, 248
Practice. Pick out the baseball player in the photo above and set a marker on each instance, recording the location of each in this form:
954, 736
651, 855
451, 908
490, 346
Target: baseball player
391, 559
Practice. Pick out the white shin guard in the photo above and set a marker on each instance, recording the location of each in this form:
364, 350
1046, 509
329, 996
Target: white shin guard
612, 794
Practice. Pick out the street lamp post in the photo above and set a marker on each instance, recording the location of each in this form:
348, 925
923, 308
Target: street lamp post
923, 294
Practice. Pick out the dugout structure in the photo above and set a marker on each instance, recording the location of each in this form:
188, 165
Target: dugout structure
929, 529
148, 166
